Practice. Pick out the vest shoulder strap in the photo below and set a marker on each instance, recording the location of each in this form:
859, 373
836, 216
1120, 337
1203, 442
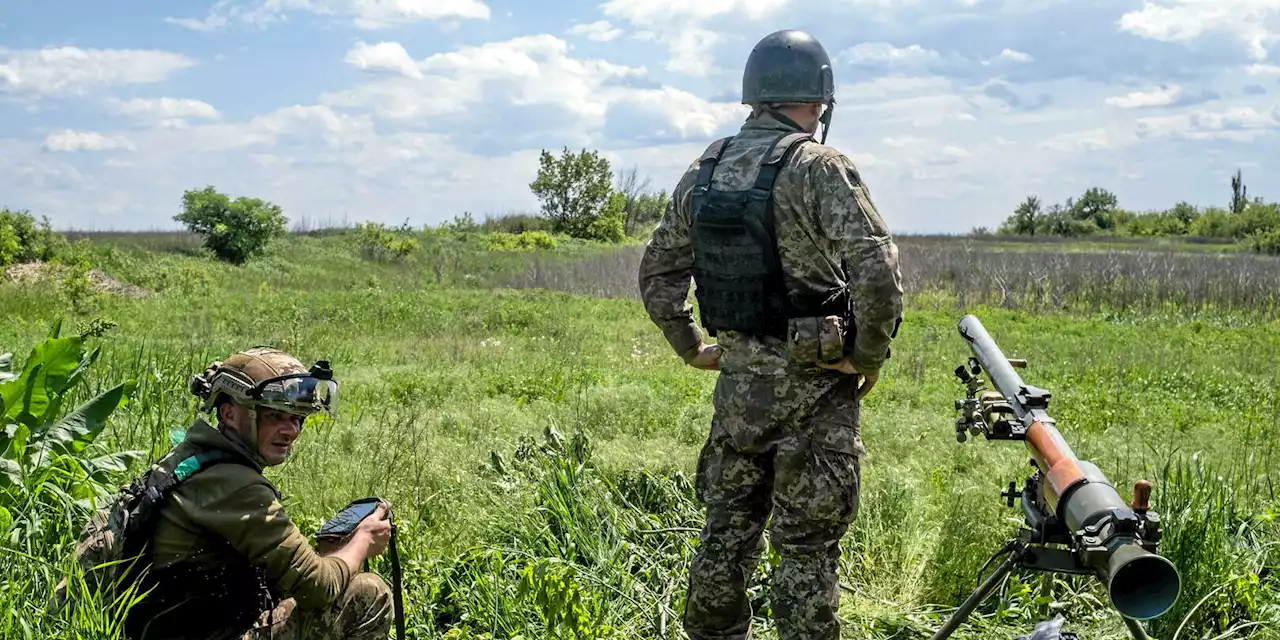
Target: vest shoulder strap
776, 156
707, 163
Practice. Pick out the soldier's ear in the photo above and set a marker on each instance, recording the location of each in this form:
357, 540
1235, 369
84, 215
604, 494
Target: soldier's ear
228, 415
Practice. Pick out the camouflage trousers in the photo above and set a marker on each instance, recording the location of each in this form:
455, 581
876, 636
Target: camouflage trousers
363, 612
782, 450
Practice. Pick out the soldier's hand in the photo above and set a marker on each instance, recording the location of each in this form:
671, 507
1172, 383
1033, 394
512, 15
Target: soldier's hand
846, 367
375, 531
708, 358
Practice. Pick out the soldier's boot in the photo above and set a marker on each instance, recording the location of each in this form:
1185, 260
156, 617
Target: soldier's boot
363, 612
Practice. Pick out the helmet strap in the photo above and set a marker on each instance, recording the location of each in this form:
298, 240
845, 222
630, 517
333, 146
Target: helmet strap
253, 426
826, 121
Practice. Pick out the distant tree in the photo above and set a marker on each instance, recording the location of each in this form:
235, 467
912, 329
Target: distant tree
235, 230
574, 190
1025, 219
1095, 205
1239, 193
629, 185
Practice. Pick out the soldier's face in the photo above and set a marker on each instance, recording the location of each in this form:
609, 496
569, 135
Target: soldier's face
277, 431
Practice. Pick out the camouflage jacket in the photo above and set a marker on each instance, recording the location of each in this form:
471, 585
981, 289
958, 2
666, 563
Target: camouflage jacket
829, 235
224, 550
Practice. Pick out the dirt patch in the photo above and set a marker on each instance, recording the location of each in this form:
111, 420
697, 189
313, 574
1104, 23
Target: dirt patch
35, 271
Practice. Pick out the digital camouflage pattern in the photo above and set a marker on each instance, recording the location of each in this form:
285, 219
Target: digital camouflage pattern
784, 446
827, 226
785, 442
364, 612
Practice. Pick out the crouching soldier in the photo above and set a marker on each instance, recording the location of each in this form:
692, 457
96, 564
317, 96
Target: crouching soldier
225, 560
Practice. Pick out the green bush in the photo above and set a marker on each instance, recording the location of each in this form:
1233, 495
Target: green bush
516, 223
235, 230
22, 239
526, 241
610, 225
377, 242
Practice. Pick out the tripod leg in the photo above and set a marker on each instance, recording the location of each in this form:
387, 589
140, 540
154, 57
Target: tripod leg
978, 595
1135, 629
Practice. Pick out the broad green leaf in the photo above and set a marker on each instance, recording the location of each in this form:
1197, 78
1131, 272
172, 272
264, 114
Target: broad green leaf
6, 520
76, 430
55, 405
46, 372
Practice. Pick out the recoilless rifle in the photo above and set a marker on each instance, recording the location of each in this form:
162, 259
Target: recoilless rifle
1075, 521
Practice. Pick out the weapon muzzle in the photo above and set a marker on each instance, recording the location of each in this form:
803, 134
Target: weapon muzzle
1141, 584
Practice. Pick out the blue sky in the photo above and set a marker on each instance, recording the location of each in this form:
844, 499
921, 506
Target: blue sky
387, 110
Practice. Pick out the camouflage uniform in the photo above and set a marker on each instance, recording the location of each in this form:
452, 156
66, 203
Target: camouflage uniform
785, 438
226, 560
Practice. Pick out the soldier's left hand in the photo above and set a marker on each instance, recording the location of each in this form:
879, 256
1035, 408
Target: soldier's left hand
708, 358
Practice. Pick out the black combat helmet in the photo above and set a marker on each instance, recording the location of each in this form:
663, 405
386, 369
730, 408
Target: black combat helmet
790, 66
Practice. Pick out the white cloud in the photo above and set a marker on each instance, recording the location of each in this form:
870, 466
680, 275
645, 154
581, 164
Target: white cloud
1161, 97
390, 56
1239, 123
1186, 20
1263, 70
678, 24
68, 140
74, 71
534, 71
888, 54
1012, 56
598, 31
163, 109
364, 14
668, 12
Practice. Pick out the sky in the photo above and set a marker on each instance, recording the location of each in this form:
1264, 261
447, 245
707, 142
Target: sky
345, 111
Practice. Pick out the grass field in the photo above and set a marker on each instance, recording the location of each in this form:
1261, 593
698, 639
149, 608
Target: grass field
539, 443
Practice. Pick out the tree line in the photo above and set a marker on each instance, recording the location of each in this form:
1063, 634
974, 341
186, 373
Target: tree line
1252, 222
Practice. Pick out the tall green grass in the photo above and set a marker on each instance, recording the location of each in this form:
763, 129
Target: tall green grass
539, 446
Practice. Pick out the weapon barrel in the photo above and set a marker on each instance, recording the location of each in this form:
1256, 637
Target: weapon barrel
1053, 455
1141, 584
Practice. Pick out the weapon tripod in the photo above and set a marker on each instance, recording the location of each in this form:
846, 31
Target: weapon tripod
1030, 550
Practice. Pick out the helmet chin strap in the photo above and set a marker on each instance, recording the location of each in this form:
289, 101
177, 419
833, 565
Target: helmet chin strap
826, 121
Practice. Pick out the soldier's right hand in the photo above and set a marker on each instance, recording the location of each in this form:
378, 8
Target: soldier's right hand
375, 532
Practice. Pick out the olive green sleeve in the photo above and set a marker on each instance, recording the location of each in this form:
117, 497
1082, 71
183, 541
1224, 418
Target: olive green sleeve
850, 220
253, 521
666, 271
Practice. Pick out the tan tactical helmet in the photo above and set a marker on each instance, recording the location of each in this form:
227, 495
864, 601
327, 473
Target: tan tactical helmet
268, 377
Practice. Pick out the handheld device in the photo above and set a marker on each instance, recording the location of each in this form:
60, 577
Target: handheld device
345, 522
342, 525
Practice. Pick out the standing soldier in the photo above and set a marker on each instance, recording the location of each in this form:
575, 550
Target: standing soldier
797, 277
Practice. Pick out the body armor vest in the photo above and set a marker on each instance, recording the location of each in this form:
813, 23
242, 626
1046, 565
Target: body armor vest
736, 266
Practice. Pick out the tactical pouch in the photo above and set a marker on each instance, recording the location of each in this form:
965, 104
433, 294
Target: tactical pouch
815, 340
